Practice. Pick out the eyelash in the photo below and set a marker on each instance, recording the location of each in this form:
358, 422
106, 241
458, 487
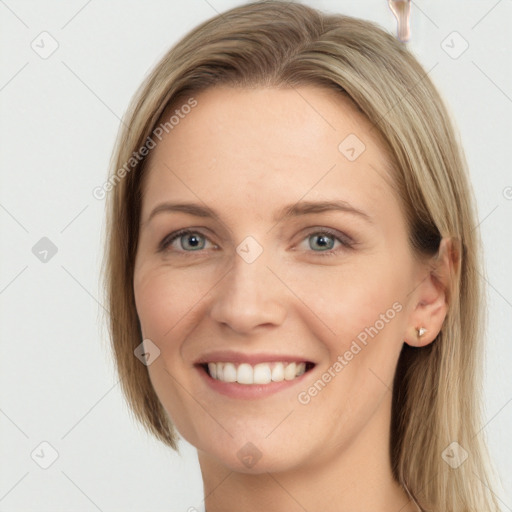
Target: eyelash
344, 240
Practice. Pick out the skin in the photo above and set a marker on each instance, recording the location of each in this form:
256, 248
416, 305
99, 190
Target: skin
246, 153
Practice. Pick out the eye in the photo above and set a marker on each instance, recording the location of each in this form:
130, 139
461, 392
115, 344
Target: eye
323, 238
188, 239
195, 241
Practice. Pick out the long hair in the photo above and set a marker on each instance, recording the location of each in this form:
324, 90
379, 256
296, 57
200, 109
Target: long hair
436, 398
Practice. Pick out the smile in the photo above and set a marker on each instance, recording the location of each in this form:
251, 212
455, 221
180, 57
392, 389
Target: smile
257, 374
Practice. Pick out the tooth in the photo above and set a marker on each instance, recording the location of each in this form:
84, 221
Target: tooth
229, 373
289, 371
220, 371
278, 372
262, 374
244, 374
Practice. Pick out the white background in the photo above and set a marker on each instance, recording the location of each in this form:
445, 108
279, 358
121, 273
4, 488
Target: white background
59, 118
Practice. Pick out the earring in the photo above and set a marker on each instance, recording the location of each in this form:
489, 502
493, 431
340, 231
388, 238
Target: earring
421, 331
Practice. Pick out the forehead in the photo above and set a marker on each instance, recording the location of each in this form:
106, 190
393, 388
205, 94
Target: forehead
241, 148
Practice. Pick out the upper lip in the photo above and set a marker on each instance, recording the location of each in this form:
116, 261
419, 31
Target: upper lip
226, 356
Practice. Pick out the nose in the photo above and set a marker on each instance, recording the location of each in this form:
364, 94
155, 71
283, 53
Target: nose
249, 296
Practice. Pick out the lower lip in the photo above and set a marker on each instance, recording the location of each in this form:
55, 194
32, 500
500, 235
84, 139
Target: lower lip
249, 391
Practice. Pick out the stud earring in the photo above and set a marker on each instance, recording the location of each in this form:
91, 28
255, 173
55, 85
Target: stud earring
421, 331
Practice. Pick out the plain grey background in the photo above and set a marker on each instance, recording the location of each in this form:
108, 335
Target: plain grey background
67, 73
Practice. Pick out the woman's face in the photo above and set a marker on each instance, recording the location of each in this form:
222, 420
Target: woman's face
327, 290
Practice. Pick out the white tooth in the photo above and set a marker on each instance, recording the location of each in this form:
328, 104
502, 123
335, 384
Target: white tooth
278, 372
262, 374
290, 371
301, 368
229, 373
244, 374
219, 372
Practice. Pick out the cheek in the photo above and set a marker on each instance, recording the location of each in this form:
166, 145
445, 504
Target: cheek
364, 310
348, 299
164, 302
163, 298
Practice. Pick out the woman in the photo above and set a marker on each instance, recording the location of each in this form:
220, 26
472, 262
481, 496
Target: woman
341, 377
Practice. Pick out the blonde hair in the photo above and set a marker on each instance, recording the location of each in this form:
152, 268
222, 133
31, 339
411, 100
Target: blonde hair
276, 44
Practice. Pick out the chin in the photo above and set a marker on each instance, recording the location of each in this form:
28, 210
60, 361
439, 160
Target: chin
256, 456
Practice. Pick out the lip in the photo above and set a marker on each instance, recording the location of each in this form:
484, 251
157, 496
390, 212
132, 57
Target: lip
248, 391
227, 356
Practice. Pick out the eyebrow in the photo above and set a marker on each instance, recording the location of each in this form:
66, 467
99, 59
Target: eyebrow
293, 210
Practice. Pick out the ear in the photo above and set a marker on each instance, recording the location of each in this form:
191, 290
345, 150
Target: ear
433, 295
